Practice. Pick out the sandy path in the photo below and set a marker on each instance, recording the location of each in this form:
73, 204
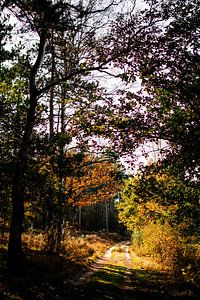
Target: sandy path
116, 255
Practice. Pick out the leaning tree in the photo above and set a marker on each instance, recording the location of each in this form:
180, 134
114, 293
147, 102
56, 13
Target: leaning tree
41, 23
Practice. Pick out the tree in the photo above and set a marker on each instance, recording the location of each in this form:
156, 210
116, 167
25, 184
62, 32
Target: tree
12, 115
5, 31
161, 46
159, 197
42, 19
13, 101
94, 180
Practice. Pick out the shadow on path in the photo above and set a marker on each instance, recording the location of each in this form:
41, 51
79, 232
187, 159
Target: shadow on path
116, 276
116, 282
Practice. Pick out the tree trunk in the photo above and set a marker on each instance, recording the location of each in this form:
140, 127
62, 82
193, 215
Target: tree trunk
59, 221
107, 224
51, 100
14, 262
16, 226
61, 177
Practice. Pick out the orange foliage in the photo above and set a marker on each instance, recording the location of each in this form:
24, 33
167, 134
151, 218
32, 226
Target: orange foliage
97, 182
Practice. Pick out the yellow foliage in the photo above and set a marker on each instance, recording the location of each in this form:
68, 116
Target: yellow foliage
83, 249
34, 241
160, 241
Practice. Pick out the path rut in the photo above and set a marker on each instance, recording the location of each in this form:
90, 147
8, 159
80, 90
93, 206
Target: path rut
115, 264
118, 276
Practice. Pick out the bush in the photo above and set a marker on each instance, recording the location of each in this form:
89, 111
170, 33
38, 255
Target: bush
76, 249
159, 241
34, 241
86, 248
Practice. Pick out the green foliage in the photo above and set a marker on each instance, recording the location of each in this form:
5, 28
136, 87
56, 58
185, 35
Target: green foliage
13, 105
5, 34
12, 118
159, 196
160, 210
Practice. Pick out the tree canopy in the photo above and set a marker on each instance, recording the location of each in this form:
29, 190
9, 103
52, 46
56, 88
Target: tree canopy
161, 47
159, 196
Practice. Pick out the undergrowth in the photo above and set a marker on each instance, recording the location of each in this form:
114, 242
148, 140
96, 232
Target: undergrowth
167, 249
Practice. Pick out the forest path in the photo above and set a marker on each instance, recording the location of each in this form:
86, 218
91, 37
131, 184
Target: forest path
121, 276
110, 276
117, 255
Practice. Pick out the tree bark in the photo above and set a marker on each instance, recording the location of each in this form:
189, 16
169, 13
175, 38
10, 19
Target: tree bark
14, 263
16, 225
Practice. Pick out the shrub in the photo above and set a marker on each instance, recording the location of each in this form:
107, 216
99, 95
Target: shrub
83, 249
34, 241
160, 241
77, 250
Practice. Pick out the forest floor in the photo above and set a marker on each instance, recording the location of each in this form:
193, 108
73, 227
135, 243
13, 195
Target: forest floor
118, 274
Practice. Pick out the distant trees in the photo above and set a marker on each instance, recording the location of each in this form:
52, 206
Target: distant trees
92, 189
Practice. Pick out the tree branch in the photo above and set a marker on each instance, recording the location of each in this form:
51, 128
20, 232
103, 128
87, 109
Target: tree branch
70, 76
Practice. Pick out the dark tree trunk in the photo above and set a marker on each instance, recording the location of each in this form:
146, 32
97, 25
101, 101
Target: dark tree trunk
14, 263
51, 100
59, 222
16, 226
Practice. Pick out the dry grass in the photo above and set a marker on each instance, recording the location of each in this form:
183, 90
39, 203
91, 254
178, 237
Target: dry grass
86, 248
34, 241
50, 275
81, 249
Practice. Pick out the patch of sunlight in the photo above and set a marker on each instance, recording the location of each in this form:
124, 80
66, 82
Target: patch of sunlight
119, 268
118, 255
100, 280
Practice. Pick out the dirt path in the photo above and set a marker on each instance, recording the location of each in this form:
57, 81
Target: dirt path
117, 255
118, 276
109, 277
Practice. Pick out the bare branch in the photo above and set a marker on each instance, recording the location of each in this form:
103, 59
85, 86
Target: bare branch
70, 76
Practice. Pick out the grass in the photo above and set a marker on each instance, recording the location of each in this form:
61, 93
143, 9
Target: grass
153, 279
87, 248
105, 284
49, 277
110, 275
